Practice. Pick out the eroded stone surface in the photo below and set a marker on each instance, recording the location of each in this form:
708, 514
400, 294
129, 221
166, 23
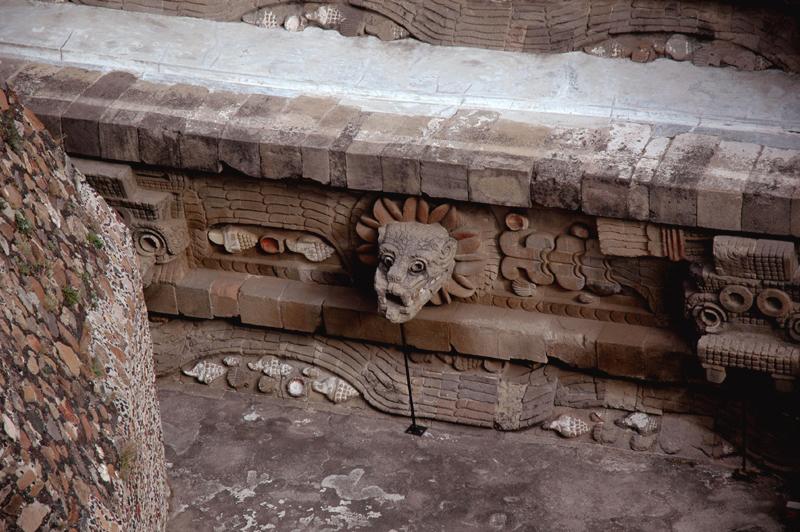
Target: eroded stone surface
318, 469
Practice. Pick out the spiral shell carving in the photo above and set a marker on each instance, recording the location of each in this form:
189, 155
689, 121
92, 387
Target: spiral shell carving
233, 239
311, 247
567, 426
523, 288
335, 389
205, 372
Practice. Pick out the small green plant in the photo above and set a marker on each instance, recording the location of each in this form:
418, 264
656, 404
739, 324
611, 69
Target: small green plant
127, 459
24, 225
70, 296
98, 369
50, 302
24, 267
93, 300
69, 208
95, 240
9, 132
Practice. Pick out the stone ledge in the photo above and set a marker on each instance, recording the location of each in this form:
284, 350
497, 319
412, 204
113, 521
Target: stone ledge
621, 350
620, 170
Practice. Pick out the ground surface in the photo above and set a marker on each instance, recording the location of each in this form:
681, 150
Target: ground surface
239, 462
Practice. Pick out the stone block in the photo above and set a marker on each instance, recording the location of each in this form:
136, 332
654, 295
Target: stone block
472, 332
666, 356
194, 294
331, 131
337, 153
239, 148
619, 352
259, 301
79, 123
9, 67
199, 143
719, 194
375, 328
341, 309
285, 152
160, 298
28, 78
767, 205
467, 127
348, 312
769, 193
400, 167
605, 190
673, 192
110, 180
119, 125
163, 124
557, 183
240, 142
225, 294
301, 306
429, 329
643, 172
500, 179
315, 158
363, 161
444, 173
54, 97
281, 155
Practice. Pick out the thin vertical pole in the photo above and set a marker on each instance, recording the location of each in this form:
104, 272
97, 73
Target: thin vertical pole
416, 430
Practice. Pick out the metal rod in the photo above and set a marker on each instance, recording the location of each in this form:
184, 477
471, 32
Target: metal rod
416, 430
744, 434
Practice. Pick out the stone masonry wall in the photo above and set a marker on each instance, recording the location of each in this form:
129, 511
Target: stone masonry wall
626, 170
741, 34
80, 430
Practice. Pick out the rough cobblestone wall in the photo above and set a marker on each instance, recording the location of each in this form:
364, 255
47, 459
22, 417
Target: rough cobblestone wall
80, 431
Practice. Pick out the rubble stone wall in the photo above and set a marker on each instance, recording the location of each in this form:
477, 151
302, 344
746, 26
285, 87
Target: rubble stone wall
80, 429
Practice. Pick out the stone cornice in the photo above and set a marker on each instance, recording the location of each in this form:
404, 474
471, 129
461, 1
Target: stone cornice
617, 349
621, 170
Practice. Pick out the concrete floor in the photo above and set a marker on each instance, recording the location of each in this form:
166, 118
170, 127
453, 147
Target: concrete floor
408, 76
239, 462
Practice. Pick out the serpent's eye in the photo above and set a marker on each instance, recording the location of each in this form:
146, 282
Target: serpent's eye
387, 261
417, 267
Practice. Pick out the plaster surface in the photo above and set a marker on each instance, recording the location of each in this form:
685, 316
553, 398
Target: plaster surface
407, 76
238, 463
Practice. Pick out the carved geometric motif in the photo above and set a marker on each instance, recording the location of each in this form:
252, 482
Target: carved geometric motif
571, 260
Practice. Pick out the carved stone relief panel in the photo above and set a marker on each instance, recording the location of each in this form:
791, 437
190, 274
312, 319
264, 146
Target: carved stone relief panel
559, 256
272, 228
742, 294
539, 260
746, 303
150, 207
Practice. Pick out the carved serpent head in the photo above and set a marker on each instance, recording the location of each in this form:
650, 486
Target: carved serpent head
414, 262
421, 254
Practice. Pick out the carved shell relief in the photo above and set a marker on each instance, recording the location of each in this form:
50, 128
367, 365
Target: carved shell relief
236, 239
